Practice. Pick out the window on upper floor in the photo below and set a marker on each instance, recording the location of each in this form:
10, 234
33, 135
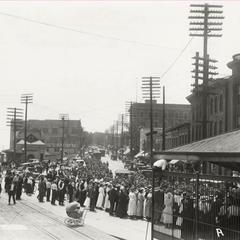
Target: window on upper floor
45, 130
211, 105
55, 131
238, 94
238, 119
215, 128
215, 104
220, 126
221, 103
211, 129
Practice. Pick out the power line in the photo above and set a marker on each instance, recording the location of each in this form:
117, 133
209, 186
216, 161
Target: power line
98, 35
176, 59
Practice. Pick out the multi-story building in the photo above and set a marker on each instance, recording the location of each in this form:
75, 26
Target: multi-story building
44, 138
175, 114
223, 104
178, 135
222, 108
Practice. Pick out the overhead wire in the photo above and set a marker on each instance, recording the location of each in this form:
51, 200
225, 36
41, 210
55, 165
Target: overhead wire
93, 34
176, 59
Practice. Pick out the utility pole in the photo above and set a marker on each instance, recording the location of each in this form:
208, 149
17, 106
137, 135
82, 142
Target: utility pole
204, 26
198, 76
116, 137
80, 138
151, 90
113, 138
14, 120
129, 113
26, 99
121, 140
63, 117
163, 122
131, 130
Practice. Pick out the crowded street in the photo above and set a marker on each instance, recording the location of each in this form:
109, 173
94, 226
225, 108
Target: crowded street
30, 216
120, 120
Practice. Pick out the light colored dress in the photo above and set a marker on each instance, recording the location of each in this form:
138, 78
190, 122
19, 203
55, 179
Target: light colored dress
100, 197
148, 206
132, 205
140, 203
167, 215
107, 202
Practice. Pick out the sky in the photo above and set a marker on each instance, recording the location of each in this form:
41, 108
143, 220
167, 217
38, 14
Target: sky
87, 58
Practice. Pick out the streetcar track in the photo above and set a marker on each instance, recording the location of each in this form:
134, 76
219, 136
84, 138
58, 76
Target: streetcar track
46, 232
58, 221
55, 219
41, 229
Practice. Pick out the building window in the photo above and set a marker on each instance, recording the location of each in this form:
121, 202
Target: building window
238, 121
221, 103
211, 106
193, 113
215, 104
220, 126
211, 129
45, 130
215, 129
54, 131
238, 94
200, 111
197, 132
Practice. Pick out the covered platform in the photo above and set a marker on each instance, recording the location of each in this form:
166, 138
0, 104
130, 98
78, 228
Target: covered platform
194, 199
223, 150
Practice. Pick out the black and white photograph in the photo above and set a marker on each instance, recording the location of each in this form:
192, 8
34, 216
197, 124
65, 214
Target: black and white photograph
119, 120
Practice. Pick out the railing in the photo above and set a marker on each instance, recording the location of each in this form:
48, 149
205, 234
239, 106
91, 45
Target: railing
196, 206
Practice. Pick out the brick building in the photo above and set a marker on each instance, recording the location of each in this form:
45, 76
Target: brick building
223, 104
175, 114
45, 138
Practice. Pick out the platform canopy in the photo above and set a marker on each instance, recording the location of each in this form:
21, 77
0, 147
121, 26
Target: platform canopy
223, 149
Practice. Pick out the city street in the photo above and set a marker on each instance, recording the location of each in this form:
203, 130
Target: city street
113, 164
30, 219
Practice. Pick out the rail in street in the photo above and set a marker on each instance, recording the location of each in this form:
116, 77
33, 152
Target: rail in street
26, 220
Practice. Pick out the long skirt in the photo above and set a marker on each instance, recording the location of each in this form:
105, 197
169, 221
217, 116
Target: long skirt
87, 202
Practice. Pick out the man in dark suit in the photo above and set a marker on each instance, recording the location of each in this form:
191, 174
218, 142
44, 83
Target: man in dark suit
113, 194
11, 192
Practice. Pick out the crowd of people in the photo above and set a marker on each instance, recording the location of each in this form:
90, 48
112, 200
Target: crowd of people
91, 183
217, 206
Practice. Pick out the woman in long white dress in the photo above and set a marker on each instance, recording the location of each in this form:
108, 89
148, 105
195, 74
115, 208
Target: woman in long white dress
100, 197
167, 215
132, 205
107, 202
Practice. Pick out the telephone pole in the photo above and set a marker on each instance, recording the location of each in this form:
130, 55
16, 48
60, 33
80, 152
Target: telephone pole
151, 90
26, 99
129, 113
14, 120
163, 122
206, 28
199, 87
63, 117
